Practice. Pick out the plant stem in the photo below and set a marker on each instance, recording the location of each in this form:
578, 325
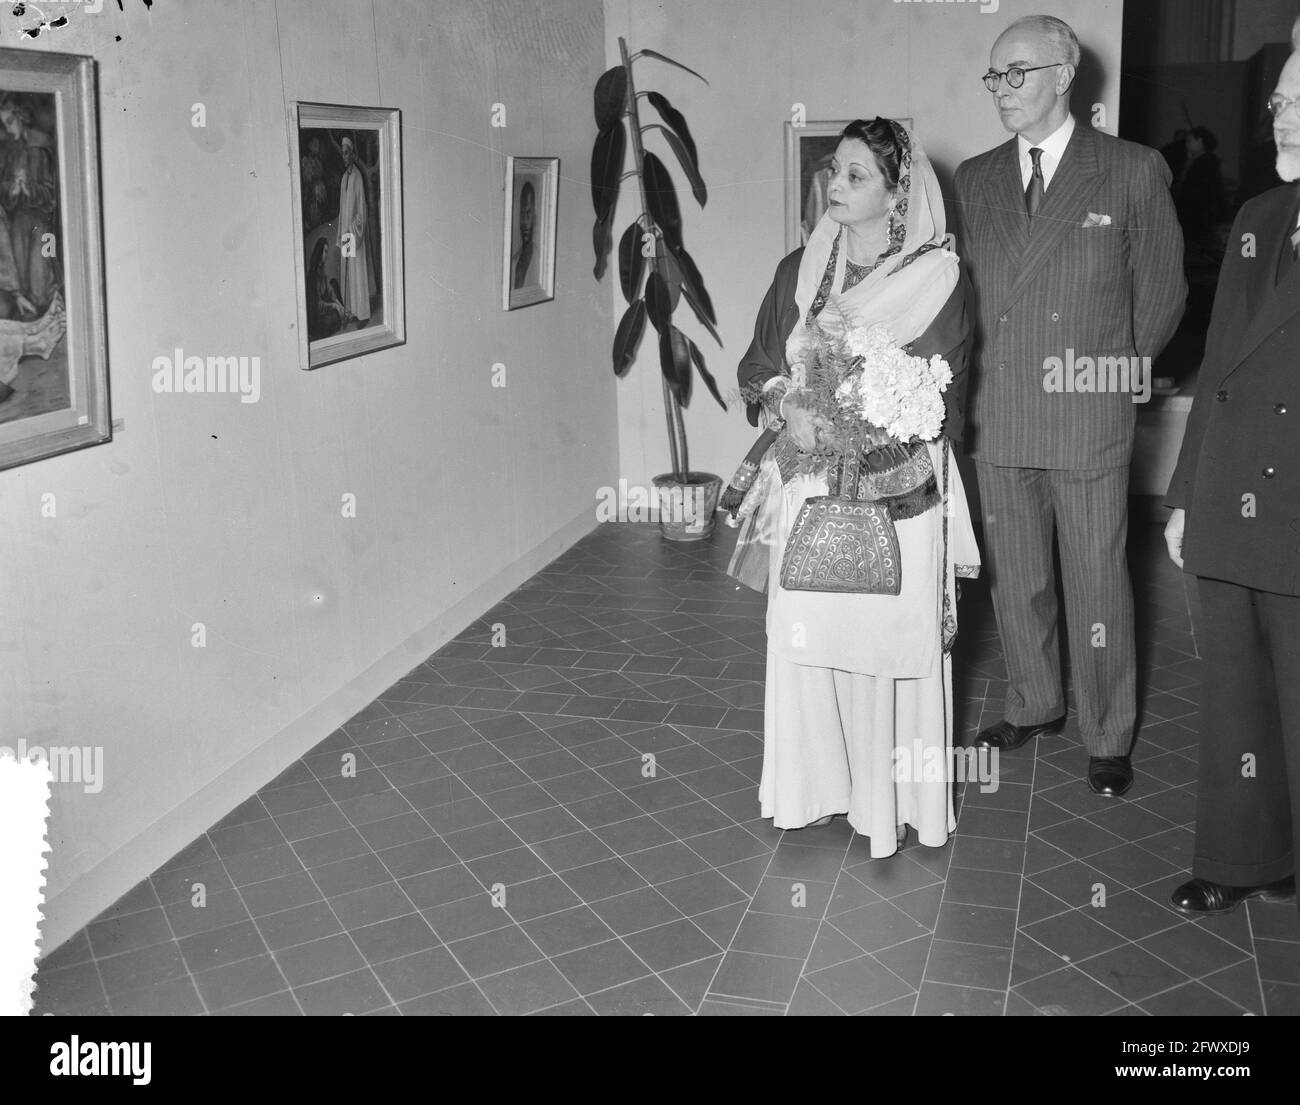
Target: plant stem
672, 411
670, 401
685, 471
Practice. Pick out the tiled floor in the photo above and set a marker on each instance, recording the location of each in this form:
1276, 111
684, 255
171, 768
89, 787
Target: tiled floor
503, 848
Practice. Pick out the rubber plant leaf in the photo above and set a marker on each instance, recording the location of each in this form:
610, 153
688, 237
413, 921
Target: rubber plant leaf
675, 361
670, 61
698, 359
610, 97
658, 301
628, 337
631, 262
607, 167
661, 199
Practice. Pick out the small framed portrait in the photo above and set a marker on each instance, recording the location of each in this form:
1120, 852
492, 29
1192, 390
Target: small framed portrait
808, 152
528, 261
53, 353
347, 219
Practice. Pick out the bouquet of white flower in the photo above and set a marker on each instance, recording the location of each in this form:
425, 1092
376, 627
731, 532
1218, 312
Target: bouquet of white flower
891, 389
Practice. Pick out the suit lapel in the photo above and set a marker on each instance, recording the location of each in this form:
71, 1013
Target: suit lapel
1075, 181
1006, 202
1270, 305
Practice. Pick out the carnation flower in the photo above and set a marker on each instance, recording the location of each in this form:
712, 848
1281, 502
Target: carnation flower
894, 390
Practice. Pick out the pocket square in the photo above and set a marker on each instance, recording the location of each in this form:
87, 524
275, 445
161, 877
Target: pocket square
1094, 219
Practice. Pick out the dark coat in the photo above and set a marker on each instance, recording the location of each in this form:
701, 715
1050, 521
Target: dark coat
1238, 474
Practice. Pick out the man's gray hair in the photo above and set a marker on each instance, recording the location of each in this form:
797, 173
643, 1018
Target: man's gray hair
1295, 35
1060, 35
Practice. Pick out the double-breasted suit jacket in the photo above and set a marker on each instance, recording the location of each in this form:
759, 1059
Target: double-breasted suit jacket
1238, 478
1112, 288
1238, 474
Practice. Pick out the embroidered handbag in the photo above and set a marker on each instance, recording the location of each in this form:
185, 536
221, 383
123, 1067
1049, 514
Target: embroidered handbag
843, 543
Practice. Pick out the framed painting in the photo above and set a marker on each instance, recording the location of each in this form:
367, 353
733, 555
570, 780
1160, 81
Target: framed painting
808, 152
347, 220
53, 352
528, 257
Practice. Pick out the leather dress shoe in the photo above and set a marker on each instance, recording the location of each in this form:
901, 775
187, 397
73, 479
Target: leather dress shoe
1109, 776
1203, 898
1006, 737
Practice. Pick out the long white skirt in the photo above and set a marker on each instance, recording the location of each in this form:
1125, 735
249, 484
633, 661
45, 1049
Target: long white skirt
858, 709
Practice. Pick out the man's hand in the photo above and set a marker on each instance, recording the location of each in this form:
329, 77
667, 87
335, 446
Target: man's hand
1174, 535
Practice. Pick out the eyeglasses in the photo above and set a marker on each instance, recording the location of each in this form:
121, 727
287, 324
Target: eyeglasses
1277, 105
1015, 75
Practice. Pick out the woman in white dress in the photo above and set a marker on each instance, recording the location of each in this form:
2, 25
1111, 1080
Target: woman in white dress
858, 711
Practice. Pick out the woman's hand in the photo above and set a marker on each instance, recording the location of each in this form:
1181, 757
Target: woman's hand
1174, 536
809, 430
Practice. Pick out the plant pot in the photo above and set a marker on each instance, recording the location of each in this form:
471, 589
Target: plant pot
686, 507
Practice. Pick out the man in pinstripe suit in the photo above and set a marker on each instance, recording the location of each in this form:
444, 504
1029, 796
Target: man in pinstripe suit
1076, 257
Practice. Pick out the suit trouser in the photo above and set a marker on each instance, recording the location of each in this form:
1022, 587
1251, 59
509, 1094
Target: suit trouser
1088, 510
1248, 811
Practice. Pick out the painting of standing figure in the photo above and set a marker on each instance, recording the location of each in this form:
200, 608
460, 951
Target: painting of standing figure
348, 218
53, 371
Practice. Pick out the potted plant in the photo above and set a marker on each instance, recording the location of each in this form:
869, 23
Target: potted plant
655, 272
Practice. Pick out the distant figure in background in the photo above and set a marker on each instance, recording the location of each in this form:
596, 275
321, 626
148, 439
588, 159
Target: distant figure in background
1202, 207
1236, 527
1198, 188
1175, 152
357, 281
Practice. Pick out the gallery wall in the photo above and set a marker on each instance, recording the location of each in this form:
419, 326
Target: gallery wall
207, 510
841, 59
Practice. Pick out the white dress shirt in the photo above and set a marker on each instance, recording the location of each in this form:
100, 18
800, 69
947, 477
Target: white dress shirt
1053, 147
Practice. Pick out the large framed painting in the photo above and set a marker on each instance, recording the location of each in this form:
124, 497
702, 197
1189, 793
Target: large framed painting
347, 219
528, 260
53, 353
808, 152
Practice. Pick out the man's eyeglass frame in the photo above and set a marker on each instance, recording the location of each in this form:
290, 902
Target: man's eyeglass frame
1279, 105
993, 78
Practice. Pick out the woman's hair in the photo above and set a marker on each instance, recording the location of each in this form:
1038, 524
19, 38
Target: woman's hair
1206, 138
317, 254
878, 134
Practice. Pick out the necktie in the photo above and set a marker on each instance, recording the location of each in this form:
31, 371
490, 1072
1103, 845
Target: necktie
1034, 193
